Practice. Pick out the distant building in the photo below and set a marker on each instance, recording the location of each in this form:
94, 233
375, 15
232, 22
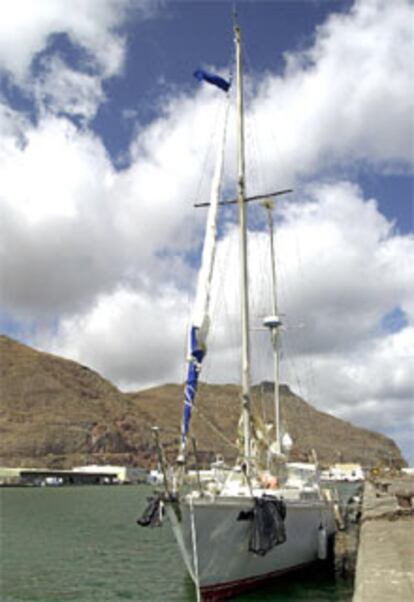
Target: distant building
80, 475
343, 472
120, 474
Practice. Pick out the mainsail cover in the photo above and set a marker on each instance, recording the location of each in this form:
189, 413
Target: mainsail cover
197, 346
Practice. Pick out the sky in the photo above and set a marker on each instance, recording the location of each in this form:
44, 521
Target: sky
107, 141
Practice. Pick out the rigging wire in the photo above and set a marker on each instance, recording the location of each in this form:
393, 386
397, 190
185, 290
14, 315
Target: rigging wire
257, 179
213, 427
287, 350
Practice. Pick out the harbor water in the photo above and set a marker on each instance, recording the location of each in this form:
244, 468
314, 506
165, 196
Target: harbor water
83, 544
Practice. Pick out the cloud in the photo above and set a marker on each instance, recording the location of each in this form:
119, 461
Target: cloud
338, 344
26, 28
84, 227
341, 268
370, 385
131, 336
100, 263
57, 53
80, 226
335, 230
346, 99
60, 89
52, 188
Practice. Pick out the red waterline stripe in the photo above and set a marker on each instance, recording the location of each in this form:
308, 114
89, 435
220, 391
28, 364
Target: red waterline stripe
221, 591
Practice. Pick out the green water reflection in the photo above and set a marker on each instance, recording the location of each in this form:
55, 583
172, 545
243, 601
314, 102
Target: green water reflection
82, 543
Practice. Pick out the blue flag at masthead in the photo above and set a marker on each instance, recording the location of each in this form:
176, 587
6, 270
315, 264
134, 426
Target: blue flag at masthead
212, 78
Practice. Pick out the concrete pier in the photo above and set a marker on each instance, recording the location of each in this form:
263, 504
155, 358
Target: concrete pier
385, 563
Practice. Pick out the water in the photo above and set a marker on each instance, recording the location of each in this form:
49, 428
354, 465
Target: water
82, 543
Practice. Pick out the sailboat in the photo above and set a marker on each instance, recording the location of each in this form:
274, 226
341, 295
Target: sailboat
252, 524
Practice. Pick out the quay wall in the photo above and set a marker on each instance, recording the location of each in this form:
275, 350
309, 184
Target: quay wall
385, 562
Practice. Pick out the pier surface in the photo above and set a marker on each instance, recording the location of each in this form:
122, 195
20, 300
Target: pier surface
385, 564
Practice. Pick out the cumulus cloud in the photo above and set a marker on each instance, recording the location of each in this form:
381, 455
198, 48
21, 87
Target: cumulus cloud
336, 230
108, 257
60, 89
83, 227
371, 385
52, 188
130, 336
26, 28
331, 336
34, 37
346, 99
56, 179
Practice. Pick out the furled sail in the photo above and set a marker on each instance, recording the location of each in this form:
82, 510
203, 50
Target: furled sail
197, 346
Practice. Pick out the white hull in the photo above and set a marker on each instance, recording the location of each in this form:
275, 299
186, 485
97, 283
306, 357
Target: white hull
215, 545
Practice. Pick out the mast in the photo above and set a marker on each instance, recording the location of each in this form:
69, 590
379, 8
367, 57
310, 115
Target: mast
273, 323
243, 253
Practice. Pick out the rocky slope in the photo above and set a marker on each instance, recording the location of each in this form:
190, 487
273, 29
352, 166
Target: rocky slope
55, 412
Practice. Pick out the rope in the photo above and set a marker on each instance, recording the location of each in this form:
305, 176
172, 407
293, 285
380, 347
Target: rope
194, 545
215, 429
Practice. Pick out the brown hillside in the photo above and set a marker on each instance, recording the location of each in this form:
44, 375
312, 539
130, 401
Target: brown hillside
55, 412
216, 416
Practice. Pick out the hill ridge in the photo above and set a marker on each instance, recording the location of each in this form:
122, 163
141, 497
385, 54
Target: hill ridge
59, 413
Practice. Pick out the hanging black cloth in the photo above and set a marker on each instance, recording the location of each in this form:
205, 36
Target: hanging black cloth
153, 513
268, 525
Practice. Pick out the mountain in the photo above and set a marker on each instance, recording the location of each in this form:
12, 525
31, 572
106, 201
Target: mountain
58, 413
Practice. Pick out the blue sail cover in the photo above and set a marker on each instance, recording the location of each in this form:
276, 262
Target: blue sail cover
197, 353
212, 78
200, 321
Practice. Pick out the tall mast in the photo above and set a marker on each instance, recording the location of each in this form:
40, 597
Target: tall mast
243, 252
273, 323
